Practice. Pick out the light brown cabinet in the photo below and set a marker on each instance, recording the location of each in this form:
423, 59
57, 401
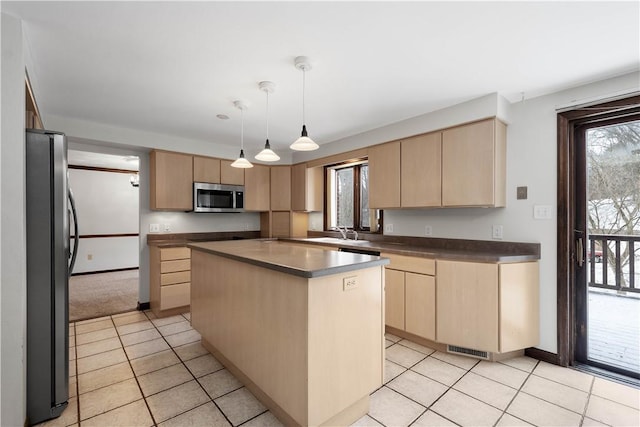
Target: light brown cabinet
257, 186
280, 188
420, 177
170, 280
488, 307
384, 176
474, 164
230, 175
307, 188
206, 169
171, 181
282, 224
420, 305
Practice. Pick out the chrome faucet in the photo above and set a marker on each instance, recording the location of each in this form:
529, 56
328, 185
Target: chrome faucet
355, 235
343, 233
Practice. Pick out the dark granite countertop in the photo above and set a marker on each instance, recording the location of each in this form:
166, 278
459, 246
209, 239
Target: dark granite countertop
308, 262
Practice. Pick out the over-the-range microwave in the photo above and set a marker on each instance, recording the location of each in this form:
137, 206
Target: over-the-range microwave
217, 197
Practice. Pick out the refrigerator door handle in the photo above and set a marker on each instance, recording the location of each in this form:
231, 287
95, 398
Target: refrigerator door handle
76, 237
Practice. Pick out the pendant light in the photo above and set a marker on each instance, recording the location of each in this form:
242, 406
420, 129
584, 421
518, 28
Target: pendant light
241, 162
267, 155
304, 143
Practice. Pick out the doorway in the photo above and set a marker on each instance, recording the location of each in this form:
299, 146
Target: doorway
599, 237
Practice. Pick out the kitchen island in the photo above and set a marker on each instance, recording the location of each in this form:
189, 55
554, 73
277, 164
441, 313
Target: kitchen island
301, 327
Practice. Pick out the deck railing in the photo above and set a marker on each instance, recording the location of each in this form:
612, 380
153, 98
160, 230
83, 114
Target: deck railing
617, 254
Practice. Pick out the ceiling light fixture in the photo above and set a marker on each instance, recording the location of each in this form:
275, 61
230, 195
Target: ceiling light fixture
267, 155
304, 143
241, 162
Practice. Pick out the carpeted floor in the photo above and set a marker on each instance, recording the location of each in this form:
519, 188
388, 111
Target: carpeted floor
102, 294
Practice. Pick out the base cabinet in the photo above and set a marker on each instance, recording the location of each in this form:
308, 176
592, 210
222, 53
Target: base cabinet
394, 298
420, 305
170, 280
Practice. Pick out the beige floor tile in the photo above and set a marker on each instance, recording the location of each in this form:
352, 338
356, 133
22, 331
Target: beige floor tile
417, 347
203, 365
388, 343
392, 370
511, 421
73, 368
68, 417
163, 379
240, 406
486, 390
190, 351
107, 398
588, 422
95, 319
463, 362
73, 386
138, 337
174, 328
134, 327
96, 347
145, 348
187, 316
135, 414
72, 341
175, 401
153, 362
150, 314
219, 383
566, 376
182, 338
127, 318
392, 337
72, 353
417, 387
125, 314
502, 373
556, 393
392, 409
523, 363
538, 412
93, 326
94, 336
167, 320
612, 413
101, 360
440, 371
403, 356
266, 419
204, 415
103, 377
465, 410
431, 419
620, 393
365, 421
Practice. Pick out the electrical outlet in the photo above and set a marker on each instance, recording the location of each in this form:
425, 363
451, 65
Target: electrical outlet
154, 228
89, 257
349, 283
427, 230
496, 232
167, 227
246, 227
388, 228
542, 212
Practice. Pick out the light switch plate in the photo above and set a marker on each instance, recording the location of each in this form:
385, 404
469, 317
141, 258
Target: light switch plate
428, 231
496, 232
542, 211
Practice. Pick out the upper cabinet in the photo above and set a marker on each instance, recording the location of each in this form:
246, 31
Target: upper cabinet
384, 175
206, 169
281, 188
306, 188
171, 181
257, 188
474, 164
230, 175
420, 177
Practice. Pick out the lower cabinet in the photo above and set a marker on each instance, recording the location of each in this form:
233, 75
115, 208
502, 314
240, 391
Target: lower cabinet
170, 280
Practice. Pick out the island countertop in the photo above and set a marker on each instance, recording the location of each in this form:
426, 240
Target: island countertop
308, 262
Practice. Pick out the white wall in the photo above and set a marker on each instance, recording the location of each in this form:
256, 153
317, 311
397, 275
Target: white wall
106, 204
531, 162
12, 226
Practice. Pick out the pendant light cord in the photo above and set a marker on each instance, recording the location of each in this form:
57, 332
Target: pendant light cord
267, 114
242, 129
304, 85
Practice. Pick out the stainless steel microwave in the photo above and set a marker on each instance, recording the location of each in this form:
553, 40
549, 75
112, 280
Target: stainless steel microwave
217, 197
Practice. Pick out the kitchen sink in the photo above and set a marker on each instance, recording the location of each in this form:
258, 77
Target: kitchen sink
336, 241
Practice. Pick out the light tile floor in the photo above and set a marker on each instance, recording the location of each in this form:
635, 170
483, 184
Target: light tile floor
135, 370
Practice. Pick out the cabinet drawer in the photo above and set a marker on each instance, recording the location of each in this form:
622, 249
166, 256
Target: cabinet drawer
175, 265
175, 296
412, 264
167, 254
178, 277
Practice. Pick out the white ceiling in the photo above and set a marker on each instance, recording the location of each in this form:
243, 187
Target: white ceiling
170, 67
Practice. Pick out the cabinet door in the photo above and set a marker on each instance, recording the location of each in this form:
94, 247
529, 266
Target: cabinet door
473, 165
384, 176
171, 181
307, 188
281, 188
230, 175
394, 298
280, 224
420, 175
467, 304
420, 305
206, 169
257, 188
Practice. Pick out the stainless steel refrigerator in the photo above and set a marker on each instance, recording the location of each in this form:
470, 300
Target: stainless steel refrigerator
49, 263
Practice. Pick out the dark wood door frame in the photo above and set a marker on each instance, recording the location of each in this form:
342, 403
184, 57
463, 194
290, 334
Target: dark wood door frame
571, 125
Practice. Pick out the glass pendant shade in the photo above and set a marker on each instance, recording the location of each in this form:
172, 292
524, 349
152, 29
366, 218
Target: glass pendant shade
241, 162
267, 155
304, 143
